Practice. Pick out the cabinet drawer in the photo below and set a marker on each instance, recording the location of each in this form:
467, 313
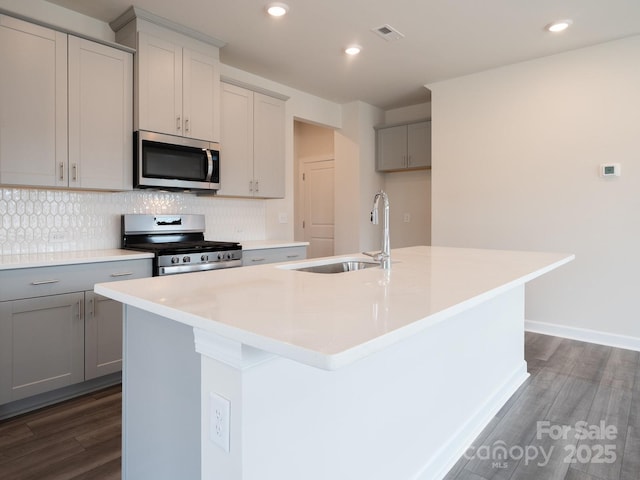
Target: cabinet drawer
37, 282
273, 255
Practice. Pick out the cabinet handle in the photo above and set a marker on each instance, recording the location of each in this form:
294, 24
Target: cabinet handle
44, 282
408, 160
74, 169
61, 171
251, 185
293, 256
258, 259
121, 274
186, 125
257, 186
178, 123
91, 308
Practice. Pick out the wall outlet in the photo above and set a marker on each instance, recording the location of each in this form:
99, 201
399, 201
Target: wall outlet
407, 218
220, 410
56, 237
283, 217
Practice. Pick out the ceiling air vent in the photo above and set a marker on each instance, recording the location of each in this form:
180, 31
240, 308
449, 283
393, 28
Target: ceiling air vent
388, 33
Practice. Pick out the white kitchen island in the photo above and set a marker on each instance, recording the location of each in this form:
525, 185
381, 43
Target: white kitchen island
367, 374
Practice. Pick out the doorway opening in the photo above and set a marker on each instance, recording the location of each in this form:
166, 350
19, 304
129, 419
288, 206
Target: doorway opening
314, 206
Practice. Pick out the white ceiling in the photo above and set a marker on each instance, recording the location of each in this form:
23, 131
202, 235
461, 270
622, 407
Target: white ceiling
443, 38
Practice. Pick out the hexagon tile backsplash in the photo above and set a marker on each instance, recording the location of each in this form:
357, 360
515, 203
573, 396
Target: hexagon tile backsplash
39, 221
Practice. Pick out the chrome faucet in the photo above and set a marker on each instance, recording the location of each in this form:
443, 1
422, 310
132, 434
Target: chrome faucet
384, 256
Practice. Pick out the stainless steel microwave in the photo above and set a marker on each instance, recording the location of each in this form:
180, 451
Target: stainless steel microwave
168, 162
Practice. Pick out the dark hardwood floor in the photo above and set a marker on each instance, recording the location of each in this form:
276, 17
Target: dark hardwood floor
75, 440
578, 414
571, 382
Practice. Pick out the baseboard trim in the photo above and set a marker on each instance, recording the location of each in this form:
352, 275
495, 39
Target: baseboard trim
453, 449
18, 407
584, 335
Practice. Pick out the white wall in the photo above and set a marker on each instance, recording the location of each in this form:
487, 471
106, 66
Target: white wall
516, 152
356, 179
419, 111
409, 192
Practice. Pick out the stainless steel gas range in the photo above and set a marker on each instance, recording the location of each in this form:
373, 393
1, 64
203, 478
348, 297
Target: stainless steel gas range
178, 243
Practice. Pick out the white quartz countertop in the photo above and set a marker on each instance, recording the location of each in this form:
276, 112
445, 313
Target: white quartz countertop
266, 244
32, 260
331, 320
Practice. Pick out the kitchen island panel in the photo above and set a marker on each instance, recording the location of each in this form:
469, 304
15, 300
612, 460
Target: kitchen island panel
408, 411
160, 399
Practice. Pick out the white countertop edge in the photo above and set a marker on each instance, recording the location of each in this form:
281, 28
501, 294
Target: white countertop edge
268, 244
315, 358
353, 354
34, 260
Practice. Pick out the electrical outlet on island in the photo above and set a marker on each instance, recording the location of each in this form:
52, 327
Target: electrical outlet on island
220, 410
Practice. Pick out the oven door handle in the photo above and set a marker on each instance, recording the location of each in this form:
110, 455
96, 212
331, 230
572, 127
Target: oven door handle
209, 165
172, 270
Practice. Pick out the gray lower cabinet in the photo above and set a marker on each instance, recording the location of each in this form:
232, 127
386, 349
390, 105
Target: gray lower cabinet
102, 335
41, 345
273, 255
55, 331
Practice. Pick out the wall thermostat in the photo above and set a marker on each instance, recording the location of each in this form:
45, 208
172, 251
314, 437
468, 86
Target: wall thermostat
610, 170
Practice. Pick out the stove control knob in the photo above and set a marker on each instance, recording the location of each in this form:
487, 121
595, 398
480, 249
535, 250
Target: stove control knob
228, 256
204, 258
186, 259
219, 256
175, 260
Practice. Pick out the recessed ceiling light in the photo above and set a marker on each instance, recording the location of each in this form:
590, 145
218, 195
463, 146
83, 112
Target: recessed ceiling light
277, 9
353, 50
559, 26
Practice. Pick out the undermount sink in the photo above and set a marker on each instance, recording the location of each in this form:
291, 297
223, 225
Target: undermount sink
336, 267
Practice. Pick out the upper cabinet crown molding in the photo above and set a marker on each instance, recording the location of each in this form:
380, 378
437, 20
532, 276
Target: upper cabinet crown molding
75, 33
253, 88
136, 13
397, 124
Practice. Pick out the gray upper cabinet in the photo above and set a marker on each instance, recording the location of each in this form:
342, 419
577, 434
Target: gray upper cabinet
403, 147
177, 72
253, 144
33, 104
100, 116
65, 110
178, 89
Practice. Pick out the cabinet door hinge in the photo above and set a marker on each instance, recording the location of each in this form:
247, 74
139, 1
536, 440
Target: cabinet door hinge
304, 177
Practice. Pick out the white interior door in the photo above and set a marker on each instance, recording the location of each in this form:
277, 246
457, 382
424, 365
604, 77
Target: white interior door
318, 194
